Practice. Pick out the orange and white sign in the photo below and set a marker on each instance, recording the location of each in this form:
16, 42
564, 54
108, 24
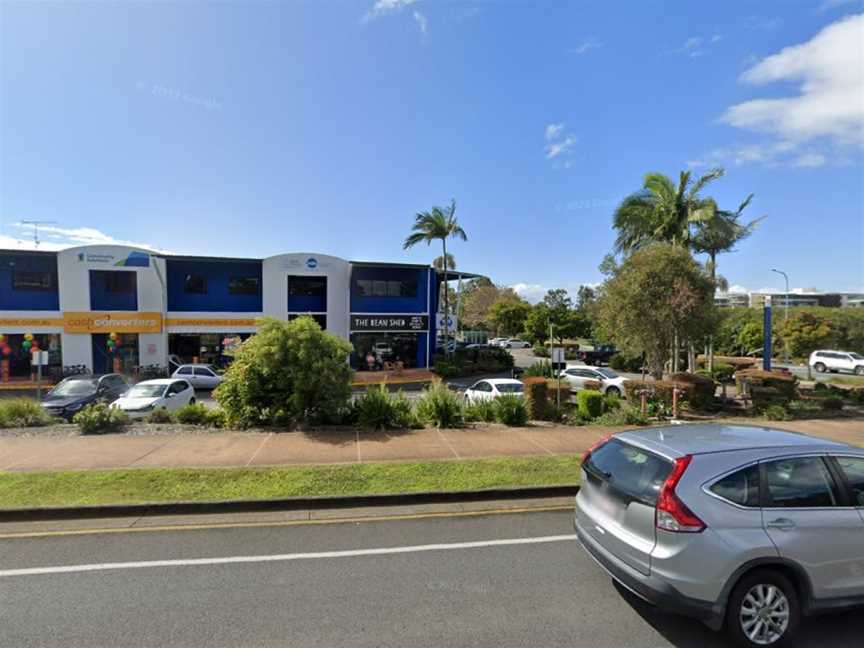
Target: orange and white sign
200, 321
112, 322
29, 322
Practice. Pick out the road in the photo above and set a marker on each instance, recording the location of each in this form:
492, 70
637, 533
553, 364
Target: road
536, 589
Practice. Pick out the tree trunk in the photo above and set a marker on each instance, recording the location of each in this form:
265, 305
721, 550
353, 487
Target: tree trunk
710, 353
446, 303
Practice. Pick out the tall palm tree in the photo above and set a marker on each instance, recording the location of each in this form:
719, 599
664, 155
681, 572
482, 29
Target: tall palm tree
721, 233
663, 211
438, 224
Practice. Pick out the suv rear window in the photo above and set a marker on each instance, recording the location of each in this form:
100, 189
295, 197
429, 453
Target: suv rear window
630, 470
741, 487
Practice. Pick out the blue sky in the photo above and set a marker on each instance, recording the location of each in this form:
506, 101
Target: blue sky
263, 127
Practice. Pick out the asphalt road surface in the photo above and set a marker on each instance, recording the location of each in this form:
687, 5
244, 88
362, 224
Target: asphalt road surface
497, 580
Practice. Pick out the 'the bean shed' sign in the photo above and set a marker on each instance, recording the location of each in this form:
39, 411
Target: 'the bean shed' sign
389, 322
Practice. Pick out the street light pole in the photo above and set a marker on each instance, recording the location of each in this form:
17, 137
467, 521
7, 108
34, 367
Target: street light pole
785, 309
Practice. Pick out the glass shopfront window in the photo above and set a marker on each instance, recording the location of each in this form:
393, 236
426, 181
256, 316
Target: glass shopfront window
19, 359
375, 351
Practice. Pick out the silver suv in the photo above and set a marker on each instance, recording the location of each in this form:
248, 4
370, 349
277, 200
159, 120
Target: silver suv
747, 527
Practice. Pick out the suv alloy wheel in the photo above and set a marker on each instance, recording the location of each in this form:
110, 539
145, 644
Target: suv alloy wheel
763, 610
820, 367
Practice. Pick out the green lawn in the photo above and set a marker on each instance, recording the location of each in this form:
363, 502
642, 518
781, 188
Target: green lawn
24, 490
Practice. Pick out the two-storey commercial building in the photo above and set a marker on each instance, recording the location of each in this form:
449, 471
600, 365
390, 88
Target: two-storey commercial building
108, 307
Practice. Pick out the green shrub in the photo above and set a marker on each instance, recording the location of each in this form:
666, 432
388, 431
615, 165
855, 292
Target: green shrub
767, 387
623, 362
98, 418
160, 415
192, 414
590, 403
439, 406
216, 418
287, 372
541, 351
378, 409
777, 412
22, 412
698, 390
611, 402
447, 367
511, 409
832, 403
542, 369
723, 372
820, 386
624, 415
482, 411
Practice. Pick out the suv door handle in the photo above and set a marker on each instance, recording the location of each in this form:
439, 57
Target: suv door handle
781, 524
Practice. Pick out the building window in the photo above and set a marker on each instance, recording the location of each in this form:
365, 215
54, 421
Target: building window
31, 280
307, 286
121, 282
195, 284
319, 318
381, 288
243, 285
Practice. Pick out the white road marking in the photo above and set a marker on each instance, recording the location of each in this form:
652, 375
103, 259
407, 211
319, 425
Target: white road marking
71, 569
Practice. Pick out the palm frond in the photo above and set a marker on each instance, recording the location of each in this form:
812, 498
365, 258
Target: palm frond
704, 181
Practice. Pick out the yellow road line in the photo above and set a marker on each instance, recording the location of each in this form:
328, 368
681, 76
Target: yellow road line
286, 523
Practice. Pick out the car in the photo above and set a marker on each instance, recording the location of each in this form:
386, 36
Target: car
476, 345
72, 394
164, 393
498, 341
515, 343
382, 349
836, 361
610, 382
744, 527
200, 376
493, 388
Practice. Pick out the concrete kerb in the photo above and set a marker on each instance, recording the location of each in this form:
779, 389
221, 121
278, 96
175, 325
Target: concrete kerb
284, 504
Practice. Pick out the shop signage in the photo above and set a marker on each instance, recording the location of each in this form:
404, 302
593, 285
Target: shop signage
132, 260
200, 321
29, 322
389, 323
112, 322
450, 320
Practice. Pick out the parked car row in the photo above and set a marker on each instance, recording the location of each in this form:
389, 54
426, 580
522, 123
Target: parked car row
74, 393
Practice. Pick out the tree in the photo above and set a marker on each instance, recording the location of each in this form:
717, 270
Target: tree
721, 233
805, 332
556, 312
438, 263
438, 224
663, 211
585, 297
659, 295
288, 372
478, 297
507, 315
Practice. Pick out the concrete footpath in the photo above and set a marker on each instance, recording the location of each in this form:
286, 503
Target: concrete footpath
243, 449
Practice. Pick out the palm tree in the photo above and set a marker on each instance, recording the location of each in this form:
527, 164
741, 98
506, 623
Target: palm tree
440, 223
663, 211
721, 233
441, 263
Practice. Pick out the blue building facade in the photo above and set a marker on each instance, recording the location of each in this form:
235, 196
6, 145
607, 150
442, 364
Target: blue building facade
172, 308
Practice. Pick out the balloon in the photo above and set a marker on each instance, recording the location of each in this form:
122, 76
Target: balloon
28, 337
113, 336
26, 344
6, 351
2, 338
111, 344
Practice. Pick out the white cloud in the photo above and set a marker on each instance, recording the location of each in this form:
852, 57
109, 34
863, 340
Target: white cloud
422, 22
716, 38
770, 153
694, 47
558, 142
829, 103
52, 238
585, 46
810, 160
533, 293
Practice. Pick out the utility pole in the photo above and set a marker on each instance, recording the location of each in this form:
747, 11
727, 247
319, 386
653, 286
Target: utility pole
785, 310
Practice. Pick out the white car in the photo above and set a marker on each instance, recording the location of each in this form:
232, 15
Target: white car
515, 343
165, 393
492, 388
200, 376
610, 382
836, 361
497, 341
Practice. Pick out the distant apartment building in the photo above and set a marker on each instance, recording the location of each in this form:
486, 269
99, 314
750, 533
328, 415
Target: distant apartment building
798, 298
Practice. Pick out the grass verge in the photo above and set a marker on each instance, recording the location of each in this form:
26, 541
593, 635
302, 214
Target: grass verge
94, 487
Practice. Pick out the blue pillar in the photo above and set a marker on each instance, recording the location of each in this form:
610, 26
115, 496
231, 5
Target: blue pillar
766, 344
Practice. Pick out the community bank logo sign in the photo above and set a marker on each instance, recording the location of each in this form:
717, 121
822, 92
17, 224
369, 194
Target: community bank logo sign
311, 263
133, 260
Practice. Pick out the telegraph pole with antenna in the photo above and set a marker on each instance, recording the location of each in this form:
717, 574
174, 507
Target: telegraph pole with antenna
36, 224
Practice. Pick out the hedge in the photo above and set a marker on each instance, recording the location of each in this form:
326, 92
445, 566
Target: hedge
590, 403
765, 387
698, 390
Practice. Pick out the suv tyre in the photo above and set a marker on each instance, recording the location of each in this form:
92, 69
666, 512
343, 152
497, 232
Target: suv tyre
820, 367
763, 610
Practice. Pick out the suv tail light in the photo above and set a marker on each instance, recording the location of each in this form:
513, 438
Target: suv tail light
671, 513
596, 445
